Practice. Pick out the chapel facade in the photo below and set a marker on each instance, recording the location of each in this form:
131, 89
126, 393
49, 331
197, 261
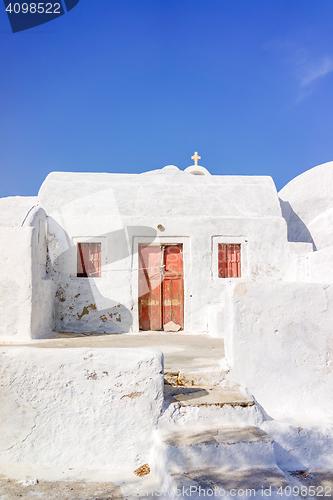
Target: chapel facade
118, 253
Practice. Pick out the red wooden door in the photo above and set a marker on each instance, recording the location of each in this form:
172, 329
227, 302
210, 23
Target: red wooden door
161, 289
173, 285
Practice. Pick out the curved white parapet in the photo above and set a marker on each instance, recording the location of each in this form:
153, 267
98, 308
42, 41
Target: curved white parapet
311, 193
197, 170
170, 167
307, 202
321, 231
14, 210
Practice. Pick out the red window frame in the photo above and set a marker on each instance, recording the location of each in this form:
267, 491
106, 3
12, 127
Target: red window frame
89, 262
229, 260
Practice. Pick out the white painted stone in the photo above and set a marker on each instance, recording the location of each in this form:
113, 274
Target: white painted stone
85, 408
29, 482
176, 417
280, 347
17, 419
171, 327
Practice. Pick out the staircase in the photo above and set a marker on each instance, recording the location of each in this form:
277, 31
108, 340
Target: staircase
211, 438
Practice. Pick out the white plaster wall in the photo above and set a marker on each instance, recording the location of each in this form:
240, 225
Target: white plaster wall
117, 290
72, 409
280, 346
120, 209
299, 262
26, 293
300, 444
42, 299
321, 265
15, 284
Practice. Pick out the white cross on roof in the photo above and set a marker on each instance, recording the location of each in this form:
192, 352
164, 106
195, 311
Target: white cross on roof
195, 158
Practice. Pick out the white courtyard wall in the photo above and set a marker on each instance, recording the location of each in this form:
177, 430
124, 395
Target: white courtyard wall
299, 262
16, 283
280, 346
42, 299
26, 293
79, 409
321, 265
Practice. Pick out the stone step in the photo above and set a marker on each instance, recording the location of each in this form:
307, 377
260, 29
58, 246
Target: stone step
205, 376
223, 447
208, 406
206, 396
232, 484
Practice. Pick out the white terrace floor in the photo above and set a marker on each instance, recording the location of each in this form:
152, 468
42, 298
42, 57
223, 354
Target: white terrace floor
185, 353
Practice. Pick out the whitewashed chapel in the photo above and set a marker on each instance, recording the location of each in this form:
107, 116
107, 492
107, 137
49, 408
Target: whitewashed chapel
216, 255
126, 252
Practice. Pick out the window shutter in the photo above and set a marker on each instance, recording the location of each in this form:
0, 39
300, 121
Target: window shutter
89, 260
222, 262
229, 260
94, 267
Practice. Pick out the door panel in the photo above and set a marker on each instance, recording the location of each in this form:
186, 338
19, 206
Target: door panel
172, 287
150, 314
161, 289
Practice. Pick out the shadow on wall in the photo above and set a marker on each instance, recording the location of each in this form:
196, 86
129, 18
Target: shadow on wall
85, 305
297, 230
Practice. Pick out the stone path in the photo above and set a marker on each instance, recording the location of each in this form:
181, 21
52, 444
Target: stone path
10, 489
187, 353
233, 483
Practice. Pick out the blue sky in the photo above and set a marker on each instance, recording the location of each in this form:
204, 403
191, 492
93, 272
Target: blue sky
134, 85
